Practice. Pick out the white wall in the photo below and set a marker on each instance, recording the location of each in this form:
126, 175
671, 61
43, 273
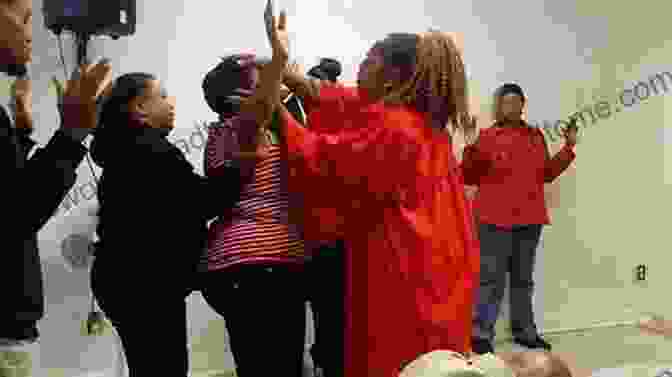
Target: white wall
609, 209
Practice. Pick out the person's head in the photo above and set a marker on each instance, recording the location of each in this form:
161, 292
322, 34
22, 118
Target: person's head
16, 33
329, 70
137, 100
233, 79
425, 71
536, 364
509, 101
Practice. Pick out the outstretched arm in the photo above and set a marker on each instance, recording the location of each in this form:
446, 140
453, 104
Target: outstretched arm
46, 178
557, 164
261, 105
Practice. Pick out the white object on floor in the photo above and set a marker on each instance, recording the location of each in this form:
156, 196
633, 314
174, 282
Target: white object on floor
635, 370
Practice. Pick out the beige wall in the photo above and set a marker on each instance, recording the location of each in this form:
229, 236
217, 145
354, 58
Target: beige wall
609, 211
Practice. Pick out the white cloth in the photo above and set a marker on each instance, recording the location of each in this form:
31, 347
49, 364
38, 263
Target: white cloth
444, 363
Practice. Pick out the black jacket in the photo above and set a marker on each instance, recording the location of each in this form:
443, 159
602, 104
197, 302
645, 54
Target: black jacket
37, 187
154, 207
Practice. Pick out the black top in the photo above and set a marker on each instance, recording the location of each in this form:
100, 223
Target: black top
33, 190
154, 207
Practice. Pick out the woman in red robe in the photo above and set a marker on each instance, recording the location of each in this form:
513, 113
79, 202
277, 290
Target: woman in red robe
380, 156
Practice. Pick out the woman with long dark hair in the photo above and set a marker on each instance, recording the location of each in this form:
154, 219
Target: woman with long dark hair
387, 166
152, 230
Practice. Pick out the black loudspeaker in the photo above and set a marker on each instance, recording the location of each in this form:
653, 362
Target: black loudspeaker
113, 18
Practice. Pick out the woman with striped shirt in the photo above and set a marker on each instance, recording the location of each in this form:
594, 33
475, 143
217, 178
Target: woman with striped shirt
255, 259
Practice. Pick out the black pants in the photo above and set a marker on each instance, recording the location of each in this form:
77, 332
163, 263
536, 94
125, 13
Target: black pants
149, 312
513, 251
265, 313
326, 294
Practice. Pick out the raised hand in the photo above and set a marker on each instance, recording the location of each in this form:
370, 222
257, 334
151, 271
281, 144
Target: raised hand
571, 133
276, 31
470, 129
79, 98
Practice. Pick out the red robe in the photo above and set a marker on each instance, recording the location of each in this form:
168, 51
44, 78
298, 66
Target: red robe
412, 259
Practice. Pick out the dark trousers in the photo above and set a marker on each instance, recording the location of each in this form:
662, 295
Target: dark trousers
506, 250
264, 309
149, 312
326, 296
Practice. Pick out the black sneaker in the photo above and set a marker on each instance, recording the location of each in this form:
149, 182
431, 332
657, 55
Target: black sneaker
481, 346
535, 343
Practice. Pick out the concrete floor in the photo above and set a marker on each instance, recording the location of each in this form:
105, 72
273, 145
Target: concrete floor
614, 352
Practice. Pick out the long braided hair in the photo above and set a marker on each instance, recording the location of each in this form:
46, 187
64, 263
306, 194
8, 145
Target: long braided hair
433, 77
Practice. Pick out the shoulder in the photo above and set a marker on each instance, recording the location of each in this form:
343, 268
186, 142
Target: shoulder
537, 133
338, 91
158, 150
488, 132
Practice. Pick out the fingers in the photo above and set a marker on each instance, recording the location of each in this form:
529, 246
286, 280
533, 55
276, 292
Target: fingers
282, 22
100, 78
91, 80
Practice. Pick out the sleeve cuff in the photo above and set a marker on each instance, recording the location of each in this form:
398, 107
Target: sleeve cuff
77, 134
66, 149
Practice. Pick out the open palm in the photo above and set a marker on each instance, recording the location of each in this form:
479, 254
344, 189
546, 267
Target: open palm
78, 99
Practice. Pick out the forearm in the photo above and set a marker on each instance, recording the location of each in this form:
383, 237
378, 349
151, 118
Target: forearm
559, 163
46, 179
73, 131
262, 103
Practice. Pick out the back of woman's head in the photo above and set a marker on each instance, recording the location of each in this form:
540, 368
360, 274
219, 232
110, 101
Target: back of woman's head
234, 78
115, 115
431, 76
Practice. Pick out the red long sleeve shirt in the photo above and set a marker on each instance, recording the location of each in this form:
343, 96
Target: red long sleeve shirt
510, 166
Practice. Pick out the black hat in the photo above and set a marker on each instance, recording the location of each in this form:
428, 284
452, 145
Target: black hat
510, 88
328, 69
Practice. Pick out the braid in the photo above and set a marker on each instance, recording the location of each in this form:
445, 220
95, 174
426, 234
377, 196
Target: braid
439, 84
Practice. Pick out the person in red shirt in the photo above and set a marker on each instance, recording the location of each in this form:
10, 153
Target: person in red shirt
510, 163
380, 154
